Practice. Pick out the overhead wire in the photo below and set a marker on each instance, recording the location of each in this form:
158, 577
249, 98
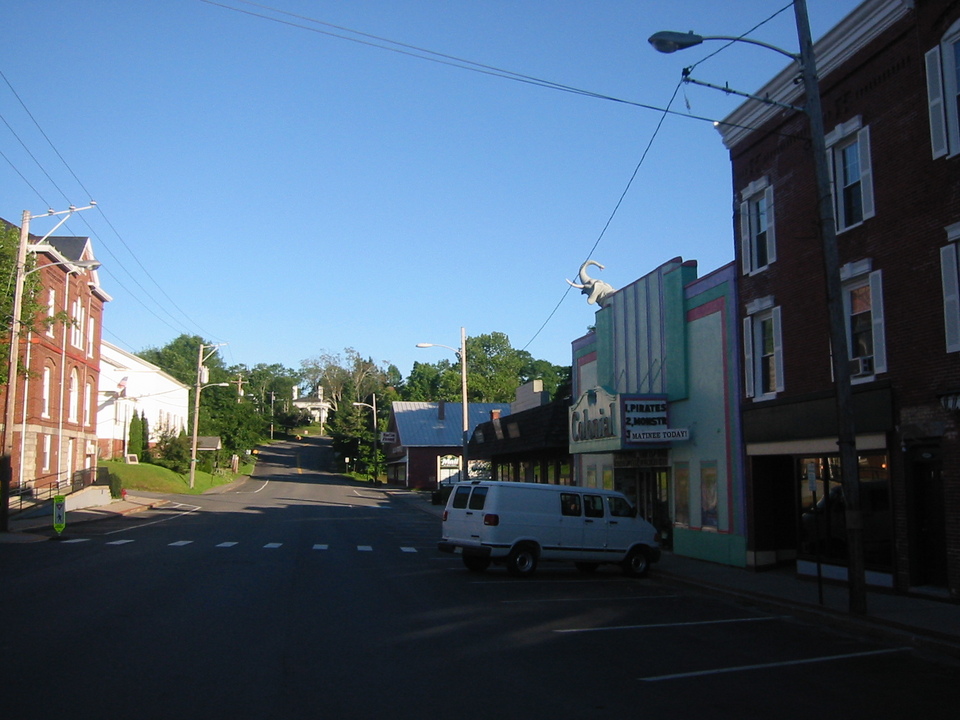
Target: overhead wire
93, 231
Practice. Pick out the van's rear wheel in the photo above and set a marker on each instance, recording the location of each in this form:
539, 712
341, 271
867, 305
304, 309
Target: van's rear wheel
637, 563
476, 563
522, 561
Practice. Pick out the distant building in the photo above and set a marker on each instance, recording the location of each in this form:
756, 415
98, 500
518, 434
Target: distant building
130, 385
427, 444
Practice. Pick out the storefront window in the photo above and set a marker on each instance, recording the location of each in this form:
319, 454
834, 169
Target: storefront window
608, 477
823, 528
708, 494
681, 497
564, 478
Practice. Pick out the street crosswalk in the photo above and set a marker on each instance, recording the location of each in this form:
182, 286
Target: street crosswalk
227, 544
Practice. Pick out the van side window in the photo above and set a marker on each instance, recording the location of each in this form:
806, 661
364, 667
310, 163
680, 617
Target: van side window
460, 497
570, 504
593, 506
621, 508
478, 498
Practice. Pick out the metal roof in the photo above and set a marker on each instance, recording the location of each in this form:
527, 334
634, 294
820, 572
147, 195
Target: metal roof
419, 423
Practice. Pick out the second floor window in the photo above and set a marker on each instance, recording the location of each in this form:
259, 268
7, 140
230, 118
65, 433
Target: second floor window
863, 307
762, 351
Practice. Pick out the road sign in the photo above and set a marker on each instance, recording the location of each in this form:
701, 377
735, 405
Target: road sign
59, 513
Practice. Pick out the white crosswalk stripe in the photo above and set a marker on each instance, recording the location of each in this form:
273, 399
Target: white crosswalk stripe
408, 549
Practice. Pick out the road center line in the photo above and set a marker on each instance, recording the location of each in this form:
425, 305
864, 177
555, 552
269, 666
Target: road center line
762, 666
667, 625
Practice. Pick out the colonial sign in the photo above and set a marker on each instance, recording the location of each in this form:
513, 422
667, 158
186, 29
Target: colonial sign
594, 422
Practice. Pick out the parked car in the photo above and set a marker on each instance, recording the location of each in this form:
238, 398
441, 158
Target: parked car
521, 524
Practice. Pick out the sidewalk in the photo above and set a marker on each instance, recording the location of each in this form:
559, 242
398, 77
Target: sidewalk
36, 524
921, 622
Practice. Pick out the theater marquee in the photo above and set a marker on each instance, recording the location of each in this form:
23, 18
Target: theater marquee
601, 422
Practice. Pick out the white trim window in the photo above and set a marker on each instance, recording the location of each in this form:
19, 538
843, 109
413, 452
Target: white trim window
758, 247
943, 93
46, 453
45, 388
51, 310
76, 329
74, 406
950, 278
851, 173
863, 310
762, 350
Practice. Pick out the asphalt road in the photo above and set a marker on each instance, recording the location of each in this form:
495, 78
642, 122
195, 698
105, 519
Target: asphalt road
300, 594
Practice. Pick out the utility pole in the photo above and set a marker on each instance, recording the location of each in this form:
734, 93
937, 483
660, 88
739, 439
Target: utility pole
846, 430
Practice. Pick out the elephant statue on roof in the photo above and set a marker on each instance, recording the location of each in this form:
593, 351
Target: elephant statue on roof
597, 291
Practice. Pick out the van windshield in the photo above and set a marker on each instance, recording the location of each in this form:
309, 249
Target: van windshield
619, 507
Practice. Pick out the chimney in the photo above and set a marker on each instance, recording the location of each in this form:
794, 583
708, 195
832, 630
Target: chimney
495, 414
441, 410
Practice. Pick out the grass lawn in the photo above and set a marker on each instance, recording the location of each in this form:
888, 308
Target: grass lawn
154, 478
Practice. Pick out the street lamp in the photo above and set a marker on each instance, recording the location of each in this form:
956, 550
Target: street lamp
462, 355
6, 461
668, 42
376, 464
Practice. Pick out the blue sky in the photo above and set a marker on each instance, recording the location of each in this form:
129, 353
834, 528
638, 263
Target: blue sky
291, 188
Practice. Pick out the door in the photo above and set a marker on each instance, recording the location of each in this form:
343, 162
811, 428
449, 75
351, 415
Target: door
929, 551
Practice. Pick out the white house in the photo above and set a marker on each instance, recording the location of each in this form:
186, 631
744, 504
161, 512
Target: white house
128, 385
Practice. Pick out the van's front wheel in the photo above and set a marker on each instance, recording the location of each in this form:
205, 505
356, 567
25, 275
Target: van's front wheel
637, 563
522, 561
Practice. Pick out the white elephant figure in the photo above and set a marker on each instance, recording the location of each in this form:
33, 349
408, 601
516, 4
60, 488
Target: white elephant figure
597, 291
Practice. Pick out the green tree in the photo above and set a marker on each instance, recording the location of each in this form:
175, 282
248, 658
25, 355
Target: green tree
135, 436
30, 307
145, 454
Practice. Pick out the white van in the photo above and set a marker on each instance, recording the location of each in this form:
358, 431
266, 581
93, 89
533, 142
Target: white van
520, 524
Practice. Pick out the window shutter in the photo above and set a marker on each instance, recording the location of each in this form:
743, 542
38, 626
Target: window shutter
937, 111
951, 296
746, 257
771, 235
748, 357
866, 172
777, 348
876, 313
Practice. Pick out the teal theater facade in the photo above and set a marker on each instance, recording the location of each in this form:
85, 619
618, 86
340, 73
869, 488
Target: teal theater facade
655, 410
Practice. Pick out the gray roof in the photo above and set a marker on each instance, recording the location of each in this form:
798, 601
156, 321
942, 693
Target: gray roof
419, 424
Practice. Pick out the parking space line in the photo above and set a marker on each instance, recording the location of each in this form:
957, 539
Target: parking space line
612, 598
656, 626
763, 666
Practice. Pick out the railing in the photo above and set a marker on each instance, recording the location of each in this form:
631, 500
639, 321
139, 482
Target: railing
46, 487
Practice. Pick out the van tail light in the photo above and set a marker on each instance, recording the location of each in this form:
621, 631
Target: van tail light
491, 519
444, 515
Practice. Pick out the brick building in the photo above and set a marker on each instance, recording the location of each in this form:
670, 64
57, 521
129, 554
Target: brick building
55, 430
889, 87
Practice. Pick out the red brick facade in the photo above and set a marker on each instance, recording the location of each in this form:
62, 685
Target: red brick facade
57, 445
873, 78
